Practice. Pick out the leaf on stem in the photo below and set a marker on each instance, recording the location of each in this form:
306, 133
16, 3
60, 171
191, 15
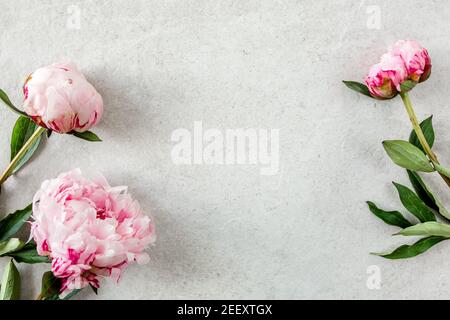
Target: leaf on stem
428, 131
4, 97
12, 223
409, 251
426, 195
413, 204
50, 287
393, 218
28, 254
23, 130
407, 156
358, 87
10, 288
10, 245
430, 228
87, 135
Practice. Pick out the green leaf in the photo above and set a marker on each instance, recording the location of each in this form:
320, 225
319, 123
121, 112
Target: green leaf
87, 135
28, 254
426, 195
10, 245
428, 132
4, 97
413, 204
10, 289
393, 218
50, 287
358, 87
430, 228
13, 222
407, 156
23, 130
409, 251
408, 85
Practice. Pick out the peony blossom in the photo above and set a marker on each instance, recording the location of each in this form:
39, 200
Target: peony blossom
88, 229
58, 97
384, 78
415, 57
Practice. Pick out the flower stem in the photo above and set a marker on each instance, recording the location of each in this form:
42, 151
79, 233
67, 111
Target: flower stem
423, 141
8, 171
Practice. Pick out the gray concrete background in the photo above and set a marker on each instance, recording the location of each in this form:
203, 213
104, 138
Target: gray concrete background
227, 231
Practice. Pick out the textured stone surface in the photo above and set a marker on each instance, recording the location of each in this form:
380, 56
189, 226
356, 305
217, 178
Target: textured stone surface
227, 231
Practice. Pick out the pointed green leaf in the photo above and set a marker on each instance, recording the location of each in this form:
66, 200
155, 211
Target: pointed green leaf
430, 228
22, 131
393, 218
409, 251
4, 97
426, 195
407, 156
87, 135
50, 287
13, 222
10, 245
10, 288
28, 254
413, 204
408, 85
428, 132
358, 87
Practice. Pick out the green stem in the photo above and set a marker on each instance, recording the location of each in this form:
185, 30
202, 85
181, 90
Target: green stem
423, 141
8, 171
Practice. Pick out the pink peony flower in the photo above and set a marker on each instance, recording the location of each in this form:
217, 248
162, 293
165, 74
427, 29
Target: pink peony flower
88, 229
59, 97
384, 78
416, 59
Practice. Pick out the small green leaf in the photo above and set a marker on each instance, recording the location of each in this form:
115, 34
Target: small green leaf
426, 195
430, 228
87, 135
10, 289
358, 87
428, 132
409, 251
50, 287
13, 222
28, 254
393, 218
10, 245
407, 156
408, 85
413, 204
23, 130
4, 97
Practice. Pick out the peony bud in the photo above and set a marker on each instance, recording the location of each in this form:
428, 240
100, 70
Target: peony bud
58, 97
416, 59
384, 78
88, 229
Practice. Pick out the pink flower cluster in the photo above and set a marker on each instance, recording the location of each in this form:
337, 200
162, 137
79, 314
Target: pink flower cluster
88, 229
58, 97
406, 60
